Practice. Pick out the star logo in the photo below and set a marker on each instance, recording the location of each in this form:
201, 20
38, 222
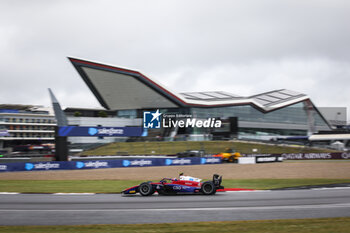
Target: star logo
156, 115
151, 120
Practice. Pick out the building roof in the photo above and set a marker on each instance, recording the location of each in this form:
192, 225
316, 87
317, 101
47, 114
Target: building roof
119, 88
16, 106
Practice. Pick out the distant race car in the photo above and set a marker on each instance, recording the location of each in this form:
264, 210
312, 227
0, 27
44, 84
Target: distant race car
191, 153
183, 185
230, 156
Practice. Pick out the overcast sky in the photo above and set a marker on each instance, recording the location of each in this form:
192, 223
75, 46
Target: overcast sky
243, 47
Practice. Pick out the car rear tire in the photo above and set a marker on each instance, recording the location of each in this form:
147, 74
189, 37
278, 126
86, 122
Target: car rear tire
146, 189
231, 159
208, 188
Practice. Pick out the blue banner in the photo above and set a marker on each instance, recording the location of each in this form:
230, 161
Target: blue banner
91, 131
95, 164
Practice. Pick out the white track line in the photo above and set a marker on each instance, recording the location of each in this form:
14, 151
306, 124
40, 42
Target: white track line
245, 191
331, 188
73, 193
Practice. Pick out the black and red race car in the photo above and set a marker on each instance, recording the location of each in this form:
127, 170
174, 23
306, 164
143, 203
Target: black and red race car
183, 185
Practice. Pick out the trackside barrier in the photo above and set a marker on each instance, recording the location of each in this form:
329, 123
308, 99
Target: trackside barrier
304, 156
246, 160
63, 165
265, 158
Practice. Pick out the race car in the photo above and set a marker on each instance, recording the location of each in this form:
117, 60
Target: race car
229, 156
183, 185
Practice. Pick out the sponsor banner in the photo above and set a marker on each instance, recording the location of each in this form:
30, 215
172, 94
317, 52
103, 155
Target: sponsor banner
3, 167
86, 131
193, 161
266, 158
4, 132
37, 166
305, 156
43, 166
255, 155
211, 160
97, 164
140, 162
180, 161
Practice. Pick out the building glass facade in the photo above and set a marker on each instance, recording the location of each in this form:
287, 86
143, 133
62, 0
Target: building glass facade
294, 114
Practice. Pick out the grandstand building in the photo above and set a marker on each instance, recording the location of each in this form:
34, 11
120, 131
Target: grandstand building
25, 124
128, 93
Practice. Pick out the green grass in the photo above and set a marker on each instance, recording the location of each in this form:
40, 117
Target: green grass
325, 225
116, 186
211, 147
278, 183
66, 186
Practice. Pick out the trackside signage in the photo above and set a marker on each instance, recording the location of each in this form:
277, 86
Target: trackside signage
3, 167
96, 164
297, 156
87, 131
302, 156
137, 163
42, 166
266, 158
92, 164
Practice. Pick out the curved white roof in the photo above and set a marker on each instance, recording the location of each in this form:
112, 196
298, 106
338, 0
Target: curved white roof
118, 88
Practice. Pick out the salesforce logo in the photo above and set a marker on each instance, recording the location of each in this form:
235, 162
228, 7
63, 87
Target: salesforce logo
41, 166
139, 163
91, 164
93, 131
126, 163
345, 155
29, 166
213, 160
210, 160
168, 161
96, 164
80, 165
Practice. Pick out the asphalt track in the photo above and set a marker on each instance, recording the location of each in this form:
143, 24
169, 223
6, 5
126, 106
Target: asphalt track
59, 209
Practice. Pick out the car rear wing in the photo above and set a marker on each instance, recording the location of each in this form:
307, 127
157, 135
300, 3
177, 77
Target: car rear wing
217, 179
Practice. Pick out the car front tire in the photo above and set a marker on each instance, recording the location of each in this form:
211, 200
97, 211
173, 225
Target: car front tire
146, 189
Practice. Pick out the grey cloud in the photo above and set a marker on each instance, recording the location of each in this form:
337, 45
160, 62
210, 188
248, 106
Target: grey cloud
249, 46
